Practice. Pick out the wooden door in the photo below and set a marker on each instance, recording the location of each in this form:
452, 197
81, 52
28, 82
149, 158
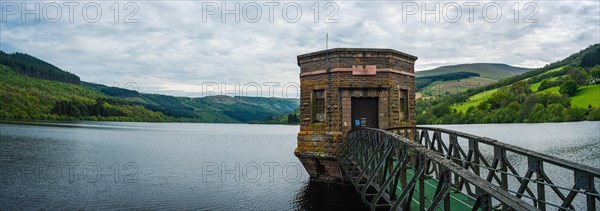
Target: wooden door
365, 112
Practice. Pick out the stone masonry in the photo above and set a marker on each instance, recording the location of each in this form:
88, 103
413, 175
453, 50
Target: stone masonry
343, 74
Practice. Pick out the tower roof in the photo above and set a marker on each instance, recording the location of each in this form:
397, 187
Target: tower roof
335, 51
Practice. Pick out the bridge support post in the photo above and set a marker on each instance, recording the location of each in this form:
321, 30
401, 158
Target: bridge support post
484, 201
591, 188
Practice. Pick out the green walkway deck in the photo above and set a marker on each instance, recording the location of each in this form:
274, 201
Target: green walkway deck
458, 200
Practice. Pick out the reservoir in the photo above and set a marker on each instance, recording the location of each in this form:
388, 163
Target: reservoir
115, 165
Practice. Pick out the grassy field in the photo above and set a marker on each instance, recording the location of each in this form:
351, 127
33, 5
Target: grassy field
455, 86
586, 96
475, 100
553, 70
553, 89
534, 87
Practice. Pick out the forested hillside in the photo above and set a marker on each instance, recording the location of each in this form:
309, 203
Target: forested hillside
204, 109
30, 66
567, 90
37, 90
29, 98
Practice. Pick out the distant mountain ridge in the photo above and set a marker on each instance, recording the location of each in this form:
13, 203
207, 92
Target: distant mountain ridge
34, 89
495, 71
458, 78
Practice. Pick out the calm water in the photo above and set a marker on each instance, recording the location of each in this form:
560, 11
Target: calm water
574, 141
106, 165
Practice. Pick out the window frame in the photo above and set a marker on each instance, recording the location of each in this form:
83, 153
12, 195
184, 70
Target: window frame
318, 104
403, 101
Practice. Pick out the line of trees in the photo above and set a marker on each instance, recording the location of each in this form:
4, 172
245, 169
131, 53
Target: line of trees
102, 107
288, 119
506, 107
30, 66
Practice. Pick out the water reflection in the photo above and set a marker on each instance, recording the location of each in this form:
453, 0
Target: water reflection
326, 196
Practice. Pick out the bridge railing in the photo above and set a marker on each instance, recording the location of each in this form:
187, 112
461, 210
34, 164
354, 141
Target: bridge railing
558, 183
389, 172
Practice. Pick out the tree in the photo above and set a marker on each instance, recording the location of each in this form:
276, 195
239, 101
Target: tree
424, 118
537, 113
528, 104
460, 97
520, 87
550, 98
591, 59
509, 114
555, 112
441, 109
595, 71
520, 90
292, 119
544, 85
574, 114
501, 98
594, 114
484, 106
569, 88
579, 75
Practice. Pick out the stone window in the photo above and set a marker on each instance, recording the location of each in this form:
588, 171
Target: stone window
318, 106
403, 105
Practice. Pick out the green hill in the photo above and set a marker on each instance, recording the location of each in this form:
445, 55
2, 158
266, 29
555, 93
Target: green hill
541, 95
205, 109
587, 58
30, 98
459, 78
30, 66
486, 70
41, 91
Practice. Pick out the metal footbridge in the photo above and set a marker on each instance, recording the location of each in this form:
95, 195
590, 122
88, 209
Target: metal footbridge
423, 168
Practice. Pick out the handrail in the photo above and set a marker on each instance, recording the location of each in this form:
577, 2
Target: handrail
377, 161
501, 168
516, 149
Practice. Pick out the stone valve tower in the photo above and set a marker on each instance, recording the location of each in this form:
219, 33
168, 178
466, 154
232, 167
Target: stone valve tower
346, 88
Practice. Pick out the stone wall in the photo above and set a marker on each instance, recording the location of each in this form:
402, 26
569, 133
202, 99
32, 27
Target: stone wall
345, 74
342, 87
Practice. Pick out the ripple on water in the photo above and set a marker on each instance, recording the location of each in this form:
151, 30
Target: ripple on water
170, 164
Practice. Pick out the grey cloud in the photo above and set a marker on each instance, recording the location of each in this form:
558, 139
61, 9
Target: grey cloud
172, 45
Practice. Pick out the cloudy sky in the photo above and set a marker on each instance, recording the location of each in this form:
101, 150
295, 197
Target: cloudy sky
180, 47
